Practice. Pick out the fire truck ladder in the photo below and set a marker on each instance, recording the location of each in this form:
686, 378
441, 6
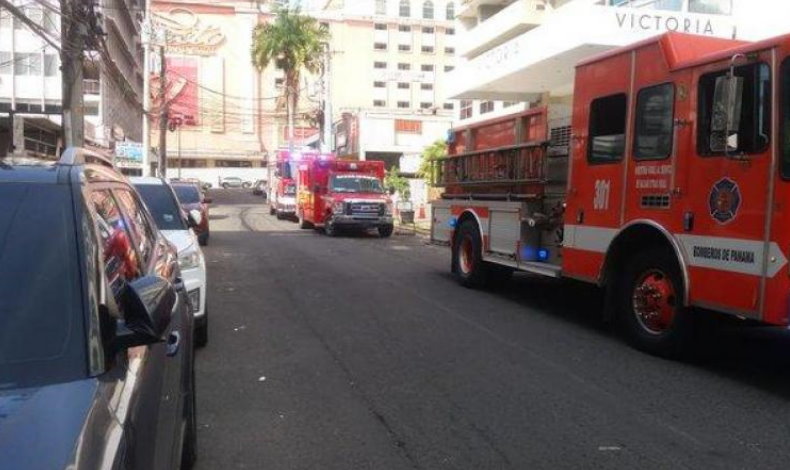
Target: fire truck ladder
520, 164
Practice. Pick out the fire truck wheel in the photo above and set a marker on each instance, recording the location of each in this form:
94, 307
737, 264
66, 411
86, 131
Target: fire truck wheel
651, 304
385, 231
329, 227
468, 266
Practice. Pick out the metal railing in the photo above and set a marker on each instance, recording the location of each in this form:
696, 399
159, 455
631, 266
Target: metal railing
521, 163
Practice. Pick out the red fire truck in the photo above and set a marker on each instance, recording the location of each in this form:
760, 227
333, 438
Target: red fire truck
666, 186
282, 181
343, 194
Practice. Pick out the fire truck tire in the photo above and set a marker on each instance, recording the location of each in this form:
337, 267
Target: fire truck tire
329, 227
385, 231
651, 304
468, 265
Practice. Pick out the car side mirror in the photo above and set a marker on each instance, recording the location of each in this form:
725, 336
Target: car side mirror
147, 304
194, 218
726, 115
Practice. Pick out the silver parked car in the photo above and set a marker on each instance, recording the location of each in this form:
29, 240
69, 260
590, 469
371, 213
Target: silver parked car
234, 182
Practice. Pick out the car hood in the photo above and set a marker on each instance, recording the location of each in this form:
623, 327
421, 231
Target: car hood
40, 426
182, 239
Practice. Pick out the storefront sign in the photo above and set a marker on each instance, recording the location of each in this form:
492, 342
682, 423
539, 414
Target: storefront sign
128, 154
658, 21
185, 33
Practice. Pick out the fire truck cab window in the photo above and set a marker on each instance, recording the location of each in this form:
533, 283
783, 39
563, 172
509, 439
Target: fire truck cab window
607, 129
654, 113
755, 120
784, 164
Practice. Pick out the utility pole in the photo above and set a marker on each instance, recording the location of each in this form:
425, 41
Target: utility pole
148, 33
73, 43
328, 121
163, 113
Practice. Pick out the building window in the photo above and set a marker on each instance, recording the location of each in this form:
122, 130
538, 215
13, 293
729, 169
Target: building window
427, 49
466, 109
448, 106
28, 63
427, 9
403, 104
379, 65
381, 7
404, 28
35, 14
607, 129
379, 85
426, 86
448, 68
507, 104
450, 12
425, 105
232, 164
654, 128
409, 126
428, 30
449, 31
426, 67
51, 65
404, 10
404, 86
404, 48
404, 66
379, 103
5, 61
380, 27
449, 50
380, 46
279, 82
711, 7
486, 107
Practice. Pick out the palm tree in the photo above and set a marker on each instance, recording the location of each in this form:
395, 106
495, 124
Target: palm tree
296, 42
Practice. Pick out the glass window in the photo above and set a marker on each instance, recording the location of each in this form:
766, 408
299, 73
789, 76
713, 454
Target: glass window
426, 86
404, 28
654, 127
379, 103
354, 184
714, 7
41, 315
121, 263
380, 46
427, 30
755, 120
448, 106
450, 11
404, 9
5, 62
162, 205
427, 9
381, 7
381, 27
187, 193
426, 68
784, 164
449, 68
138, 224
379, 65
404, 48
607, 129
427, 49
404, 86
403, 104
449, 50
404, 66
466, 109
426, 105
486, 107
51, 65
379, 85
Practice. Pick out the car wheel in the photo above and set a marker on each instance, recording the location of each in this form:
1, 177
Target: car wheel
280, 215
203, 238
245, 185
189, 450
225, 185
385, 231
651, 304
201, 333
329, 227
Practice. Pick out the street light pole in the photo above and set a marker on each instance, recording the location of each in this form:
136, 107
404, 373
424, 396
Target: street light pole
147, 33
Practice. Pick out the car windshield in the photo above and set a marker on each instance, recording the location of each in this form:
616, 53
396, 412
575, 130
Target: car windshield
290, 190
187, 193
163, 206
41, 333
354, 184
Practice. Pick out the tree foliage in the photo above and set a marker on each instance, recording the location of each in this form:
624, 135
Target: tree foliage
436, 150
393, 181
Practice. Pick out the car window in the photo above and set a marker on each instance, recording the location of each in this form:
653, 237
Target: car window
162, 205
121, 262
187, 193
138, 224
41, 317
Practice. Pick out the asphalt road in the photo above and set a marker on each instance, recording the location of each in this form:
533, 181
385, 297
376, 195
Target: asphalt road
363, 353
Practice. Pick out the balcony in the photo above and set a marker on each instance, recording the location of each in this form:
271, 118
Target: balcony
503, 25
91, 87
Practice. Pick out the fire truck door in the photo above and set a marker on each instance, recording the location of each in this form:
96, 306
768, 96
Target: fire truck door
726, 194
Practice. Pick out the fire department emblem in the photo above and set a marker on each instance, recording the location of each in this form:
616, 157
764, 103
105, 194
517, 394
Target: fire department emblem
725, 199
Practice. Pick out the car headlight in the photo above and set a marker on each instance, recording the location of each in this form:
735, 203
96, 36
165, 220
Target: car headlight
337, 207
189, 260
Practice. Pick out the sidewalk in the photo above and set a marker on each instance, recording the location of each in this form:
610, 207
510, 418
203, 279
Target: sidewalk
420, 227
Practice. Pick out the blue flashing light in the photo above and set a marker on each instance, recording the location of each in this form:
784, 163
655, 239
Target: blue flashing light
543, 254
452, 222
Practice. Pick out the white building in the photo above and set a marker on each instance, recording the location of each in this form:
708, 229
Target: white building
522, 51
30, 82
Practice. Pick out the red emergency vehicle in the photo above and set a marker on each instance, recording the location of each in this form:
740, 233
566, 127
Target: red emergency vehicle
282, 180
343, 194
666, 185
